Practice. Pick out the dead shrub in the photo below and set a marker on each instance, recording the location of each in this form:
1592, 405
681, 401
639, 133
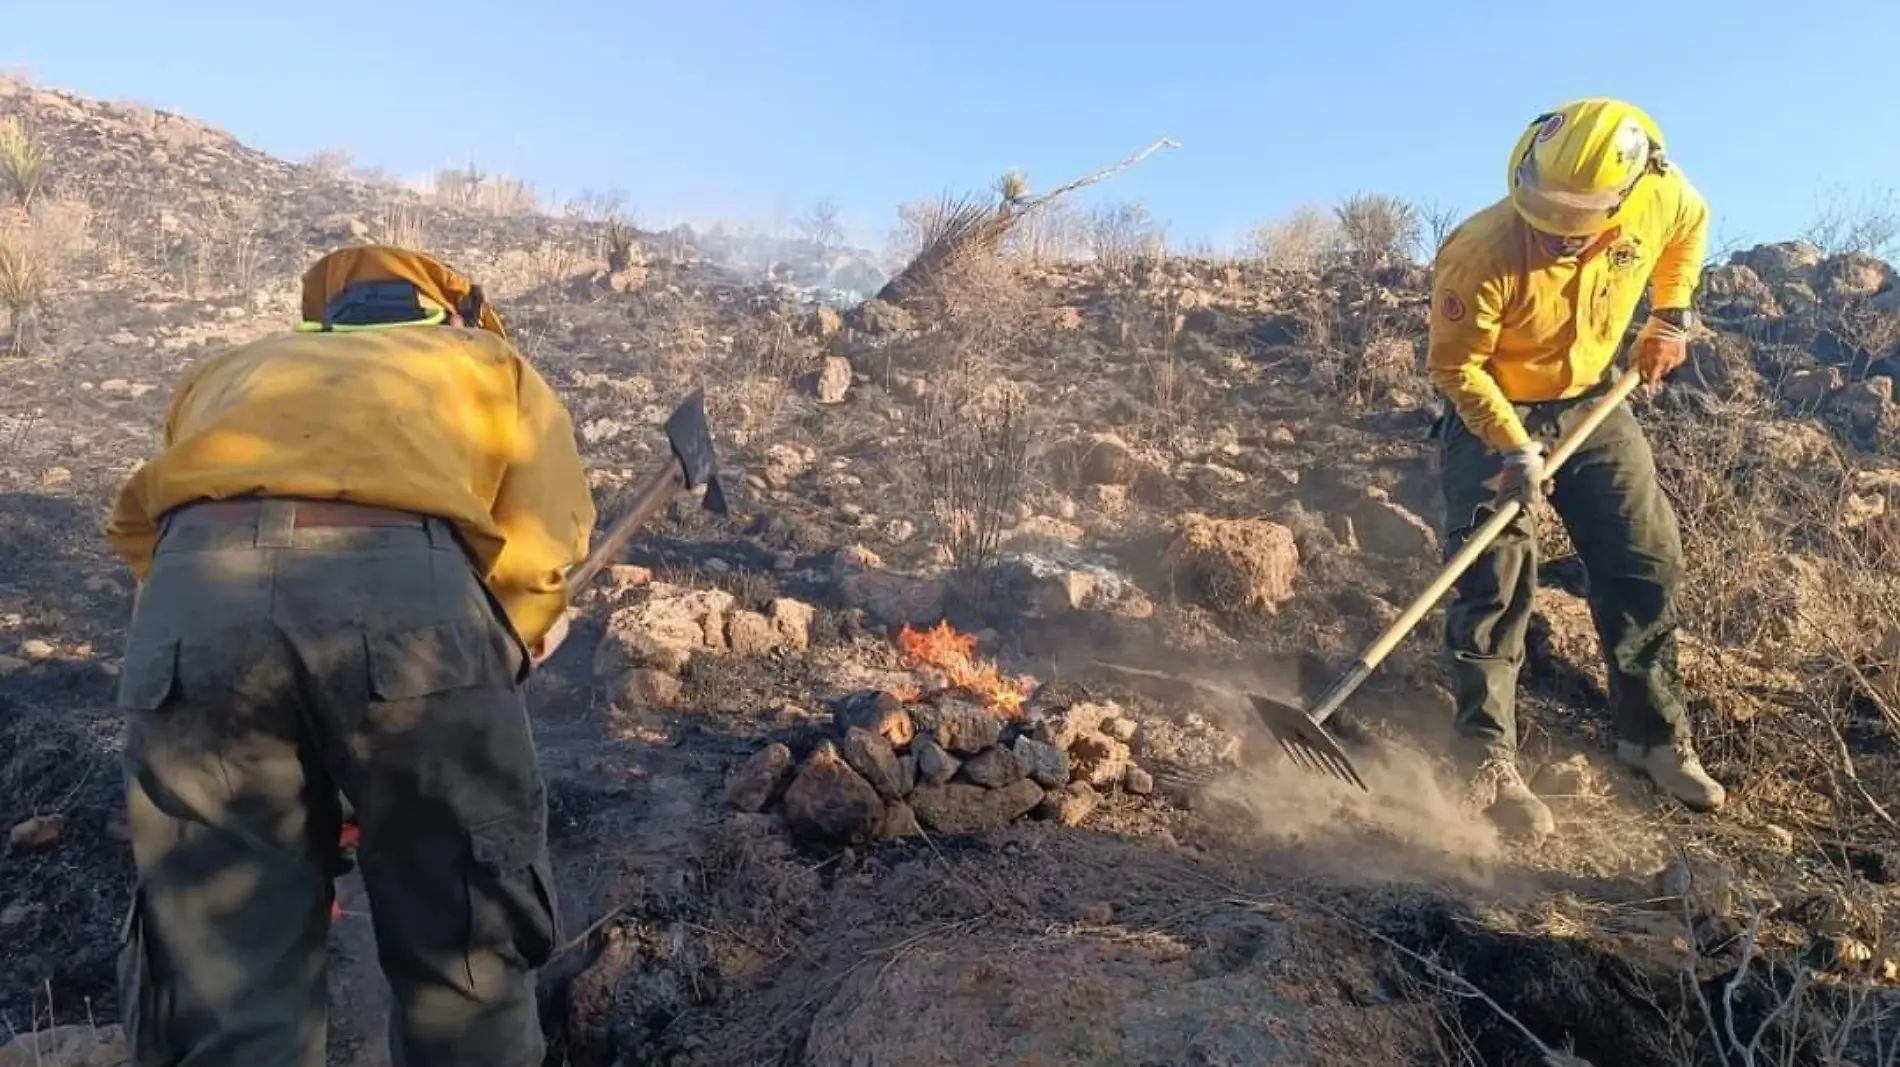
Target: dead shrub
330, 162
1055, 234
1377, 231
975, 455
1784, 602
1307, 240
1121, 235
1871, 226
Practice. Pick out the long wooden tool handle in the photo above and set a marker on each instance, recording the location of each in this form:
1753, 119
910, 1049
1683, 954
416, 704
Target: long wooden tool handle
651, 494
1383, 645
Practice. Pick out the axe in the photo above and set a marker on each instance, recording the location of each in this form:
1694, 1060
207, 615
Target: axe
690, 463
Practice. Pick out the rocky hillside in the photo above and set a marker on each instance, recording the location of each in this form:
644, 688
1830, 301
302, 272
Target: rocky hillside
928, 731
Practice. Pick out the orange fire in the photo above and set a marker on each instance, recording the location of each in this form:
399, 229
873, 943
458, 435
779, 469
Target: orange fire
943, 648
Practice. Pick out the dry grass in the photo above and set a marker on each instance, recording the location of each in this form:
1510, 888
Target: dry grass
401, 225
469, 189
36, 247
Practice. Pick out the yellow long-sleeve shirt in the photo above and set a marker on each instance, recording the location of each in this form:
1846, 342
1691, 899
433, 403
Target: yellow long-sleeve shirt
1512, 323
446, 421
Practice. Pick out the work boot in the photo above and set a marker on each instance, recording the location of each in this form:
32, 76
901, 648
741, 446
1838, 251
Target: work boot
1676, 771
1500, 792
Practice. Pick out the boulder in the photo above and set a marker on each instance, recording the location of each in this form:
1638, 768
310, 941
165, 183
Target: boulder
997, 999
936, 766
663, 630
1045, 764
1099, 760
834, 380
830, 802
1385, 528
1246, 565
878, 318
961, 808
893, 598
823, 322
1781, 263
877, 711
1735, 291
751, 634
1069, 805
1809, 387
872, 756
760, 780
993, 768
1851, 275
644, 687
960, 727
1865, 404
794, 620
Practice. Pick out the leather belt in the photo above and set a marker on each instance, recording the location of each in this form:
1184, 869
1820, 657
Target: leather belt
307, 513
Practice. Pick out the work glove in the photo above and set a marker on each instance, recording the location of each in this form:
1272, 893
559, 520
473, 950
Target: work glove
1521, 477
550, 642
1661, 345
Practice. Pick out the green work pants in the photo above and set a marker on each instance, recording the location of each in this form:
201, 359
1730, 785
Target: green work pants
1626, 536
269, 668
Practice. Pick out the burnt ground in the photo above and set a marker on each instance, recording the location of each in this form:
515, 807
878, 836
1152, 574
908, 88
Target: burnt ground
1255, 915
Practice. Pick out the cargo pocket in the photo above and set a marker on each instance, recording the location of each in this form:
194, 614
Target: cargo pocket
148, 676
512, 907
144, 1004
406, 664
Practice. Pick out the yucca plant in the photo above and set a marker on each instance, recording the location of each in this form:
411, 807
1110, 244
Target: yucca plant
23, 159
618, 239
962, 227
22, 289
1012, 187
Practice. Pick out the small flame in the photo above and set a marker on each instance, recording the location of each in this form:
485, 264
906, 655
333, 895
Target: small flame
953, 653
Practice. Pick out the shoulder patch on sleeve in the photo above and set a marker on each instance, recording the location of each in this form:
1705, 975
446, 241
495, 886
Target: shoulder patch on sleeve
1451, 306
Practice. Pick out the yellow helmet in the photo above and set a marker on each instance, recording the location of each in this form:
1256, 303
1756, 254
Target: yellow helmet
1574, 167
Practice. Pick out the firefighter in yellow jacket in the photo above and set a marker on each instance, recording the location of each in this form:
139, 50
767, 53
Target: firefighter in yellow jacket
1532, 298
351, 549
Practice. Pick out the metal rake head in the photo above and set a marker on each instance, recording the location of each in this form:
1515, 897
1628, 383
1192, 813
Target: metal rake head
1306, 743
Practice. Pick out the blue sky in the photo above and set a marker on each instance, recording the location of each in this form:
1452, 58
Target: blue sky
743, 109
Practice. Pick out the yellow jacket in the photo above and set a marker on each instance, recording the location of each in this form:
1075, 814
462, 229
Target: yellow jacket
1511, 323
449, 421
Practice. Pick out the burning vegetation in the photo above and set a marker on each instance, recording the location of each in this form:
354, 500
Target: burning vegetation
943, 649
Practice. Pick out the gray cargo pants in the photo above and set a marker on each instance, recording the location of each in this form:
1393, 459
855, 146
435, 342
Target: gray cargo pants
271, 666
1626, 535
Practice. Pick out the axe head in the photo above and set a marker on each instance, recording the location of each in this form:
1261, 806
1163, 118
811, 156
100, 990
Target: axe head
691, 440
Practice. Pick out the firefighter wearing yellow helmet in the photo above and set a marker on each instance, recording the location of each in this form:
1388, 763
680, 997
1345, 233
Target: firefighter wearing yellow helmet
1532, 298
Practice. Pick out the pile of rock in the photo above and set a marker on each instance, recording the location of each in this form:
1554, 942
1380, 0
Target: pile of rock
948, 766
649, 641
